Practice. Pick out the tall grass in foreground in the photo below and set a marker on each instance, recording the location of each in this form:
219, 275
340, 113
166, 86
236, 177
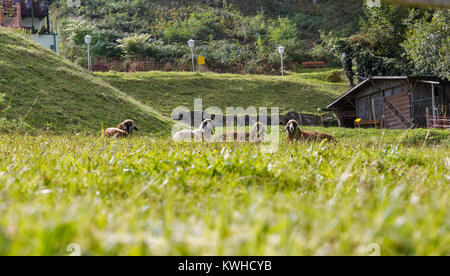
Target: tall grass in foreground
152, 196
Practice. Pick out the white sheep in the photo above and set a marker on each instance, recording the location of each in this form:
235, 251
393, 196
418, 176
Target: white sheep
204, 133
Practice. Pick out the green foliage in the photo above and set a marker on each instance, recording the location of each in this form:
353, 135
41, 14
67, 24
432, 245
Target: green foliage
103, 43
334, 76
396, 40
376, 49
379, 48
324, 50
428, 45
135, 46
284, 32
146, 196
218, 29
385, 27
15, 126
223, 52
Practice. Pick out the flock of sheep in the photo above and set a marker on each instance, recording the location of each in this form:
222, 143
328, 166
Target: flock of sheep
206, 131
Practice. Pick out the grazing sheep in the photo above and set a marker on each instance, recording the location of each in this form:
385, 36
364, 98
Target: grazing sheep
123, 130
294, 134
203, 133
256, 134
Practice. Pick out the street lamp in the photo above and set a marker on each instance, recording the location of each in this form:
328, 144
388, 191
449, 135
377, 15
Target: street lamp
281, 51
191, 44
87, 39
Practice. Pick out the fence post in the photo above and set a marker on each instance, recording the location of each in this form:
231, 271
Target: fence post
374, 113
300, 117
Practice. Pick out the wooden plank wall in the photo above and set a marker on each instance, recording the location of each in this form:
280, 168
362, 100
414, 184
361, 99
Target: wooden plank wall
377, 90
401, 101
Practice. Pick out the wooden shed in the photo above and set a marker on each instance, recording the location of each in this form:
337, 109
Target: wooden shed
397, 102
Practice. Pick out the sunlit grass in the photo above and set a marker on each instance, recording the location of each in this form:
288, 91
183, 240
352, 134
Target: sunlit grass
155, 197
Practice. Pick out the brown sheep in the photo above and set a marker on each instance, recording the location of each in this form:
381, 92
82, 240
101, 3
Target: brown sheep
294, 134
127, 126
255, 135
115, 132
123, 130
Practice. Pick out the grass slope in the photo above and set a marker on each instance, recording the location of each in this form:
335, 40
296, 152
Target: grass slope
47, 90
166, 91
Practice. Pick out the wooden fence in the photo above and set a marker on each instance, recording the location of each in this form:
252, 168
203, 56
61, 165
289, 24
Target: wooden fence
438, 122
183, 65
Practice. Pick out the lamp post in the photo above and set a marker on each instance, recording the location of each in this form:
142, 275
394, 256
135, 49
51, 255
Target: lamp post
87, 39
281, 52
191, 44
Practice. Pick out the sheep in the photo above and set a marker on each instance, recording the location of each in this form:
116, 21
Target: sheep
256, 134
203, 133
127, 126
123, 130
115, 132
295, 134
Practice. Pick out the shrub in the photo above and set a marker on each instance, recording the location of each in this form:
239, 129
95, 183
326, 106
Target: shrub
330, 122
223, 52
14, 126
335, 76
135, 45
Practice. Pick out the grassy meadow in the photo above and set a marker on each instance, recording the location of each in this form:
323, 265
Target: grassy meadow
165, 91
62, 184
151, 196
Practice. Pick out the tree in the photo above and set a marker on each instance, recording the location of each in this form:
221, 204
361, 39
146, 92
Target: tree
386, 27
428, 45
342, 46
376, 49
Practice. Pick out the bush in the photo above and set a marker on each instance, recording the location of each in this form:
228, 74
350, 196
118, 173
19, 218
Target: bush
225, 36
223, 52
335, 76
14, 126
322, 53
331, 122
135, 46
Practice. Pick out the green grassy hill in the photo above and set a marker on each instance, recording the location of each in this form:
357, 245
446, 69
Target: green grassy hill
166, 91
46, 90
49, 92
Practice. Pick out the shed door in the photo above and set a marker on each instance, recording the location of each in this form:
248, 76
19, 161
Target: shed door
402, 104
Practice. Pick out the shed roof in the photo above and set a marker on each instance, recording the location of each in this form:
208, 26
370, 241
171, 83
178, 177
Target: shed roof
364, 83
